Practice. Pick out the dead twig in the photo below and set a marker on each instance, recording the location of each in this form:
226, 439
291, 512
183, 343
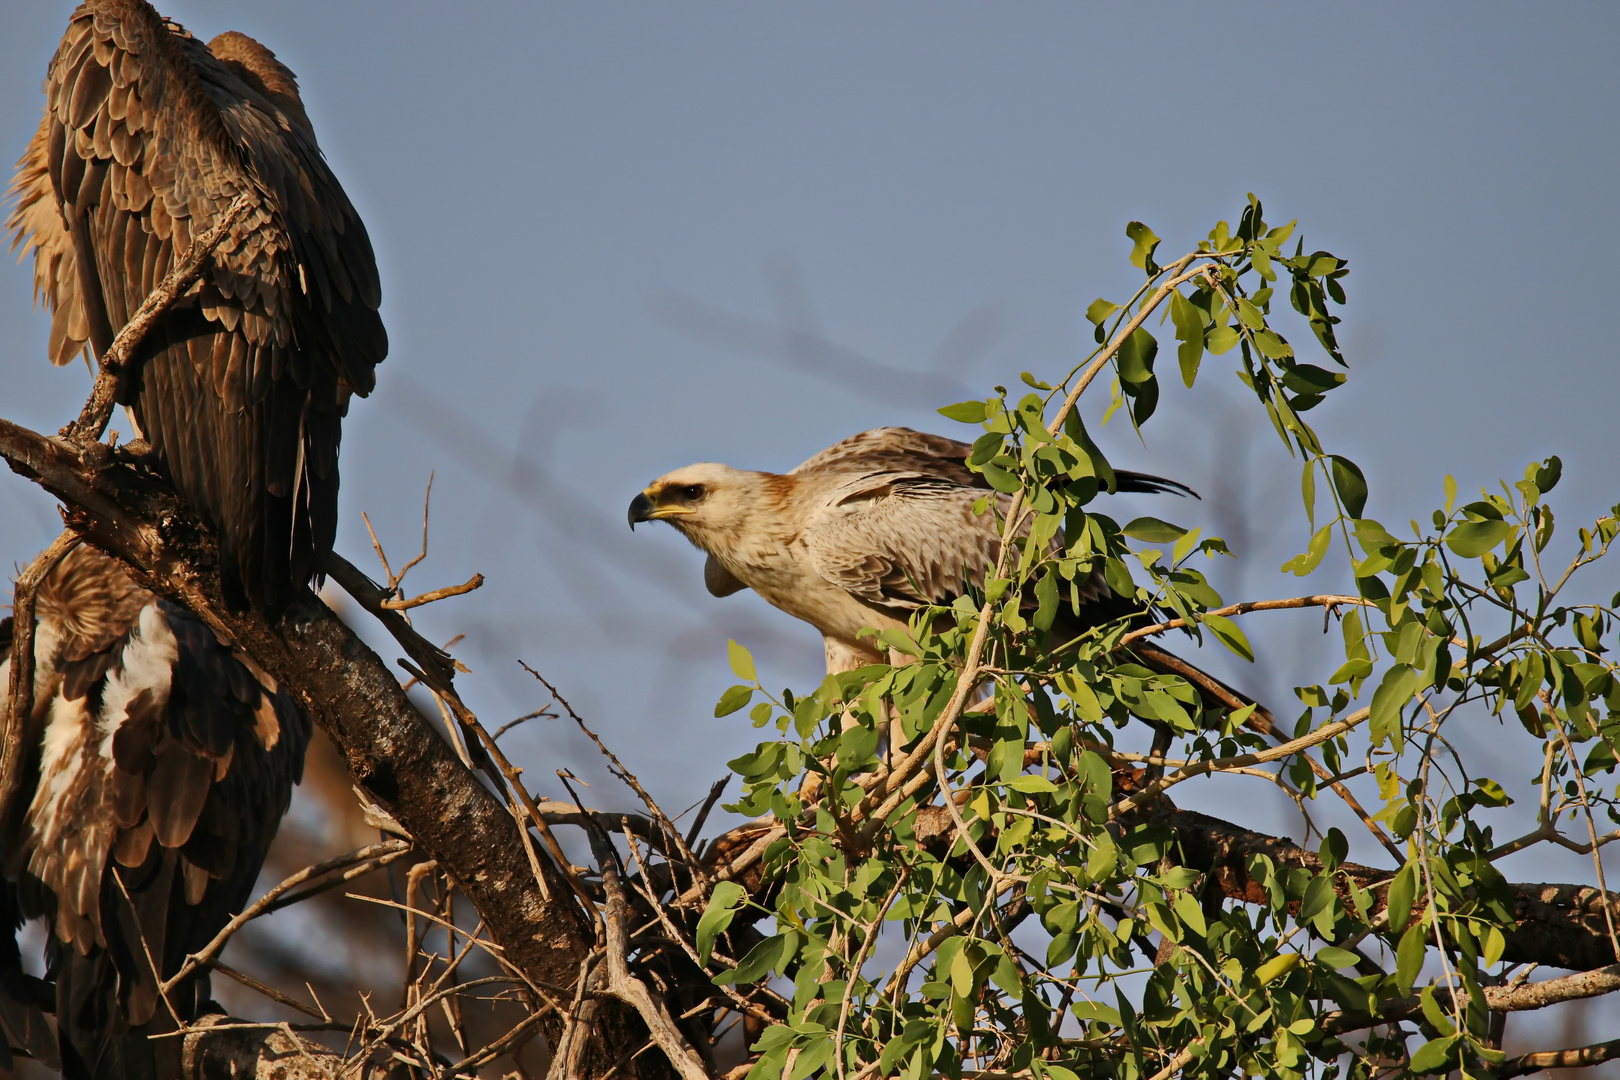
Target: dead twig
187, 269
471, 583
381, 853
697, 869
626, 987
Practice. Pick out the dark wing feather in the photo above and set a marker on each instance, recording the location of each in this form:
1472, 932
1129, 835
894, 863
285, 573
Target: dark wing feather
898, 449
148, 136
169, 761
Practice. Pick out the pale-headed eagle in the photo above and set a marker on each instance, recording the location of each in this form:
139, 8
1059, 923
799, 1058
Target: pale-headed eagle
158, 761
861, 535
240, 389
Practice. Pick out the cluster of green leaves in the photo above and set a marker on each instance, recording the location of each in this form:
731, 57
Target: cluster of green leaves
1005, 947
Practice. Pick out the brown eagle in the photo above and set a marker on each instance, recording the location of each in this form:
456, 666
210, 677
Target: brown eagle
158, 761
240, 389
861, 535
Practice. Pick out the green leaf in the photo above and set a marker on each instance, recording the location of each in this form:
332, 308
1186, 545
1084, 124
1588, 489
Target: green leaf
1547, 475
985, 447
1090, 1010
1414, 945
1351, 669
1153, 530
1000, 479
1303, 564
968, 412
812, 1058
1307, 490
1191, 914
1401, 893
1145, 243
1337, 958
1031, 785
1471, 539
1435, 1055
1099, 310
1249, 314
1396, 689
734, 699
1135, 358
1277, 967
723, 904
1350, 484
1495, 943
1179, 877
1229, 635
1318, 898
742, 664
1221, 339
1271, 345
1189, 322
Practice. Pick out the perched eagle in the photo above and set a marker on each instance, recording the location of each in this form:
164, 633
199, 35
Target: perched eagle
158, 762
241, 388
859, 536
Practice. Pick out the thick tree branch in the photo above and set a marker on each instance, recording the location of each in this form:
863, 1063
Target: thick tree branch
1579, 1057
122, 507
1559, 925
1539, 995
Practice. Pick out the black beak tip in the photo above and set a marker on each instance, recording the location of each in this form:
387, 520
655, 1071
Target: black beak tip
641, 509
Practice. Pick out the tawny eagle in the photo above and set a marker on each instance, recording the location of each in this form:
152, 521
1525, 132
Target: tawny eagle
861, 535
148, 136
158, 761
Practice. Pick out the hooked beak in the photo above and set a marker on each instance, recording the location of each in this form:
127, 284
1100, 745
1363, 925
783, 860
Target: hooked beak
641, 509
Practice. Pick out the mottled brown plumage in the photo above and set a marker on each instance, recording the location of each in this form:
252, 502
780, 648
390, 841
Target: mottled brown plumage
154, 752
148, 135
861, 535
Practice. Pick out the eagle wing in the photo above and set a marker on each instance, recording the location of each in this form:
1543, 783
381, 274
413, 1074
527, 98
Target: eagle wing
896, 449
899, 530
167, 758
148, 136
902, 540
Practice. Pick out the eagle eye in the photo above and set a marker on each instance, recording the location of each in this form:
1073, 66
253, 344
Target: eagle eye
692, 492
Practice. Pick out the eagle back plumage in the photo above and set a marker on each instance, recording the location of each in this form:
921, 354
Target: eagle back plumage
148, 136
161, 762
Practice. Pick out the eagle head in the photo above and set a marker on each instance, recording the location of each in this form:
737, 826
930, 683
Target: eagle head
712, 505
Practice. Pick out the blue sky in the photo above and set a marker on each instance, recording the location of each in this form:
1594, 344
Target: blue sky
595, 223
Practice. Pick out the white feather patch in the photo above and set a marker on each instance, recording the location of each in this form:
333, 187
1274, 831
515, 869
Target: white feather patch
148, 666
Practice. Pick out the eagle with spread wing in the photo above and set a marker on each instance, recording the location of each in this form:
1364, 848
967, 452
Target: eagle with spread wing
240, 388
860, 536
158, 762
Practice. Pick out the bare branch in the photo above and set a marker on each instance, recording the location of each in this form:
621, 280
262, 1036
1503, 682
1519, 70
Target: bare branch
437, 594
187, 269
376, 855
625, 986
1578, 1058
1326, 601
